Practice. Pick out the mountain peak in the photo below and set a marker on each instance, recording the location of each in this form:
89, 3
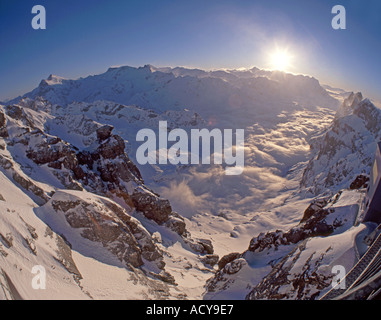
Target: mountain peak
51, 80
148, 67
349, 104
353, 99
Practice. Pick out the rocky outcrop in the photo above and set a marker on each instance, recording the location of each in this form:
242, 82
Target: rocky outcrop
312, 224
315, 206
210, 259
106, 170
304, 285
17, 113
104, 132
345, 149
107, 223
3, 128
176, 223
39, 195
102, 168
202, 246
296, 263
224, 276
228, 258
110, 160
152, 206
360, 182
54, 152
30, 186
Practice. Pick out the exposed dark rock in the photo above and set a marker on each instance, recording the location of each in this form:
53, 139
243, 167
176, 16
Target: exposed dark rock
2, 119
3, 129
29, 243
111, 147
235, 266
165, 277
110, 225
104, 169
361, 181
315, 206
52, 150
311, 225
207, 245
57, 154
104, 132
210, 259
85, 158
65, 206
228, 258
152, 206
30, 186
7, 240
201, 246
25, 183
345, 149
176, 223
305, 285
15, 112
231, 264
64, 256
5, 162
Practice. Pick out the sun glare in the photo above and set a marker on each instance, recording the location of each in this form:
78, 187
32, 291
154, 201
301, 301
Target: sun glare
280, 60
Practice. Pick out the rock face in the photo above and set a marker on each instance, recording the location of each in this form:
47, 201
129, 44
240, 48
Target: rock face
202, 246
104, 188
304, 285
104, 132
56, 154
3, 129
210, 259
227, 259
105, 222
105, 169
294, 264
225, 275
151, 205
312, 224
346, 149
361, 181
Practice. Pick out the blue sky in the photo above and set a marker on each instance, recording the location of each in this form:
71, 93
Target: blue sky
86, 37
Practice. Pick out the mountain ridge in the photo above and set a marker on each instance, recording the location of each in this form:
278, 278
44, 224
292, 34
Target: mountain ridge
67, 152
177, 88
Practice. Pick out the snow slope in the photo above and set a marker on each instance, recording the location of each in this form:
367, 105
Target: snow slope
49, 219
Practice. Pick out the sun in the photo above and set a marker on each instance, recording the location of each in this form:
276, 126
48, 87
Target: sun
280, 60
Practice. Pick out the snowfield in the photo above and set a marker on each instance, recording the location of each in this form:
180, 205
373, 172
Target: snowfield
74, 200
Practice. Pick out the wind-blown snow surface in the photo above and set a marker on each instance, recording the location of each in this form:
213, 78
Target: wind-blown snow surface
282, 114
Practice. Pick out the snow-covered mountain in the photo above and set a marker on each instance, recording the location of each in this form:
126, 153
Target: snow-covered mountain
59, 201
75, 200
296, 262
346, 148
237, 95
